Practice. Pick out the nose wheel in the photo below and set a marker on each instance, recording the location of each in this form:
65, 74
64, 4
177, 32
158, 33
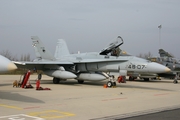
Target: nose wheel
175, 79
111, 82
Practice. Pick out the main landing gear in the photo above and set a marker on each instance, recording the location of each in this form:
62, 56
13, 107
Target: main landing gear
131, 78
80, 81
56, 80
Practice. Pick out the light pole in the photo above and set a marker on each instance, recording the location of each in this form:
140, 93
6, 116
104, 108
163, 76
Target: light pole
160, 26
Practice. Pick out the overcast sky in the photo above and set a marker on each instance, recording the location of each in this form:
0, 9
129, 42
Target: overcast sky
89, 25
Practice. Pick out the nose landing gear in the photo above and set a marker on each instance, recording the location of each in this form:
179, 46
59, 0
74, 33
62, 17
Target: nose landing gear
111, 82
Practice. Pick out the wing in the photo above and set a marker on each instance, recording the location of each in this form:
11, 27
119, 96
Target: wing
41, 65
99, 60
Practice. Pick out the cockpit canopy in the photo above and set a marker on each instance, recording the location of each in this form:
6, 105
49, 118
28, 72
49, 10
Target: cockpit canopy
113, 48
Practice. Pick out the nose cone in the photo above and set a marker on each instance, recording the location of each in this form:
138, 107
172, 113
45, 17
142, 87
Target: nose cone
11, 66
6, 65
157, 68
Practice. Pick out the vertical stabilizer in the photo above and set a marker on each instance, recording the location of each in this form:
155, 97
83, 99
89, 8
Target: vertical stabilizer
163, 53
61, 49
40, 50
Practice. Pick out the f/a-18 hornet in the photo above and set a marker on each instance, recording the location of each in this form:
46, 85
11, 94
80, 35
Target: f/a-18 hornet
91, 66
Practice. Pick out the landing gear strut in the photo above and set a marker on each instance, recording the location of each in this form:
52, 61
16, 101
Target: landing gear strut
175, 81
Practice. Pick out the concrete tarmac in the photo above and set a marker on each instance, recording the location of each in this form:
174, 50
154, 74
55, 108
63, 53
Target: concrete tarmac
72, 101
163, 115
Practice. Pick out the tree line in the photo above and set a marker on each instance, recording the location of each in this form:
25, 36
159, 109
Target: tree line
8, 54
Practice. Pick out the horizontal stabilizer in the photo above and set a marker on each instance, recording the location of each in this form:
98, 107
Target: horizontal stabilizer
39, 65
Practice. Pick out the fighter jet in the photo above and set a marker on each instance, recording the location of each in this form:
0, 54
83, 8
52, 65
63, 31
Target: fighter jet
163, 53
6, 65
169, 61
91, 66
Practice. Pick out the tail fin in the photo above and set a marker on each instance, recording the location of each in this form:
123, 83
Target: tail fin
61, 49
40, 49
163, 53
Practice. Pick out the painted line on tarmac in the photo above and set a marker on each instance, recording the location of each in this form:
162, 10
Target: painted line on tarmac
13, 107
113, 99
51, 114
137, 113
35, 107
32, 107
161, 94
20, 117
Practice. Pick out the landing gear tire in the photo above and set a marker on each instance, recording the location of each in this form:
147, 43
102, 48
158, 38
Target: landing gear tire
175, 81
146, 79
131, 78
56, 80
80, 81
109, 84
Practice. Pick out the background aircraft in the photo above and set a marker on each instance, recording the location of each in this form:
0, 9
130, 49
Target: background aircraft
6, 65
92, 66
169, 61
